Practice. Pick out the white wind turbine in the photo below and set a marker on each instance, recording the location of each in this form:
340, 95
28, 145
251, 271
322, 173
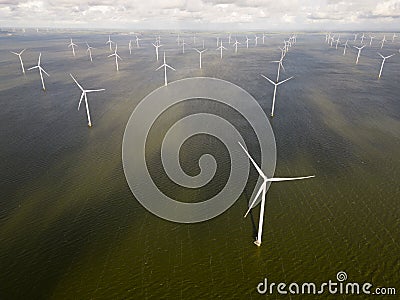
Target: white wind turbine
236, 45
229, 38
383, 62
359, 52
256, 40
84, 95
20, 59
137, 42
345, 47
275, 88
362, 38
371, 38
165, 70
263, 38
200, 53
355, 36
394, 36
247, 42
183, 46
130, 47
156, 46
221, 48
337, 41
383, 41
116, 56
178, 40
72, 45
217, 41
262, 191
110, 42
39, 67
89, 50
280, 65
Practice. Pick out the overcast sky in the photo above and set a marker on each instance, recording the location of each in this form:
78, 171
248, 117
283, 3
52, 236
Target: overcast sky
204, 14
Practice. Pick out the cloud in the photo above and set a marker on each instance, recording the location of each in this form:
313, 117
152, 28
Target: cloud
268, 14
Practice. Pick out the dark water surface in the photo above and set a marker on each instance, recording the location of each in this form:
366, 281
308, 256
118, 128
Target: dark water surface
70, 228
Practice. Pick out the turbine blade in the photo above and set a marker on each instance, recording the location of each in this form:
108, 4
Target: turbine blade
97, 90
80, 100
268, 79
254, 200
44, 72
163, 65
76, 82
33, 68
276, 179
254, 163
283, 81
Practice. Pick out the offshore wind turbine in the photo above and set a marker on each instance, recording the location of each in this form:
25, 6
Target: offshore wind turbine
221, 48
130, 47
89, 50
110, 42
371, 38
383, 62
262, 191
72, 45
236, 45
362, 38
156, 46
256, 40
183, 46
178, 39
275, 88
20, 59
280, 65
165, 70
200, 53
359, 52
394, 36
39, 67
84, 95
355, 36
263, 38
383, 41
116, 56
229, 38
137, 42
345, 47
337, 41
247, 42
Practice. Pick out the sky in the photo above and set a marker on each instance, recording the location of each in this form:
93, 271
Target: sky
230, 15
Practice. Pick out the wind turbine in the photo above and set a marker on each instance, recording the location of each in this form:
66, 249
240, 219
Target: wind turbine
345, 47
89, 50
72, 45
130, 47
156, 46
221, 48
275, 88
256, 40
236, 45
194, 39
183, 46
394, 36
200, 53
362, 38
383, 61
116, 56
84, 95
39, 67
178, 39
383, 41
229, 38
20, 59
262, 191
337, 41
359, 52
110, 42
165, 70
371, 38
247, 42
217, 41
355, 36
280, 65
263, 38
137, 42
